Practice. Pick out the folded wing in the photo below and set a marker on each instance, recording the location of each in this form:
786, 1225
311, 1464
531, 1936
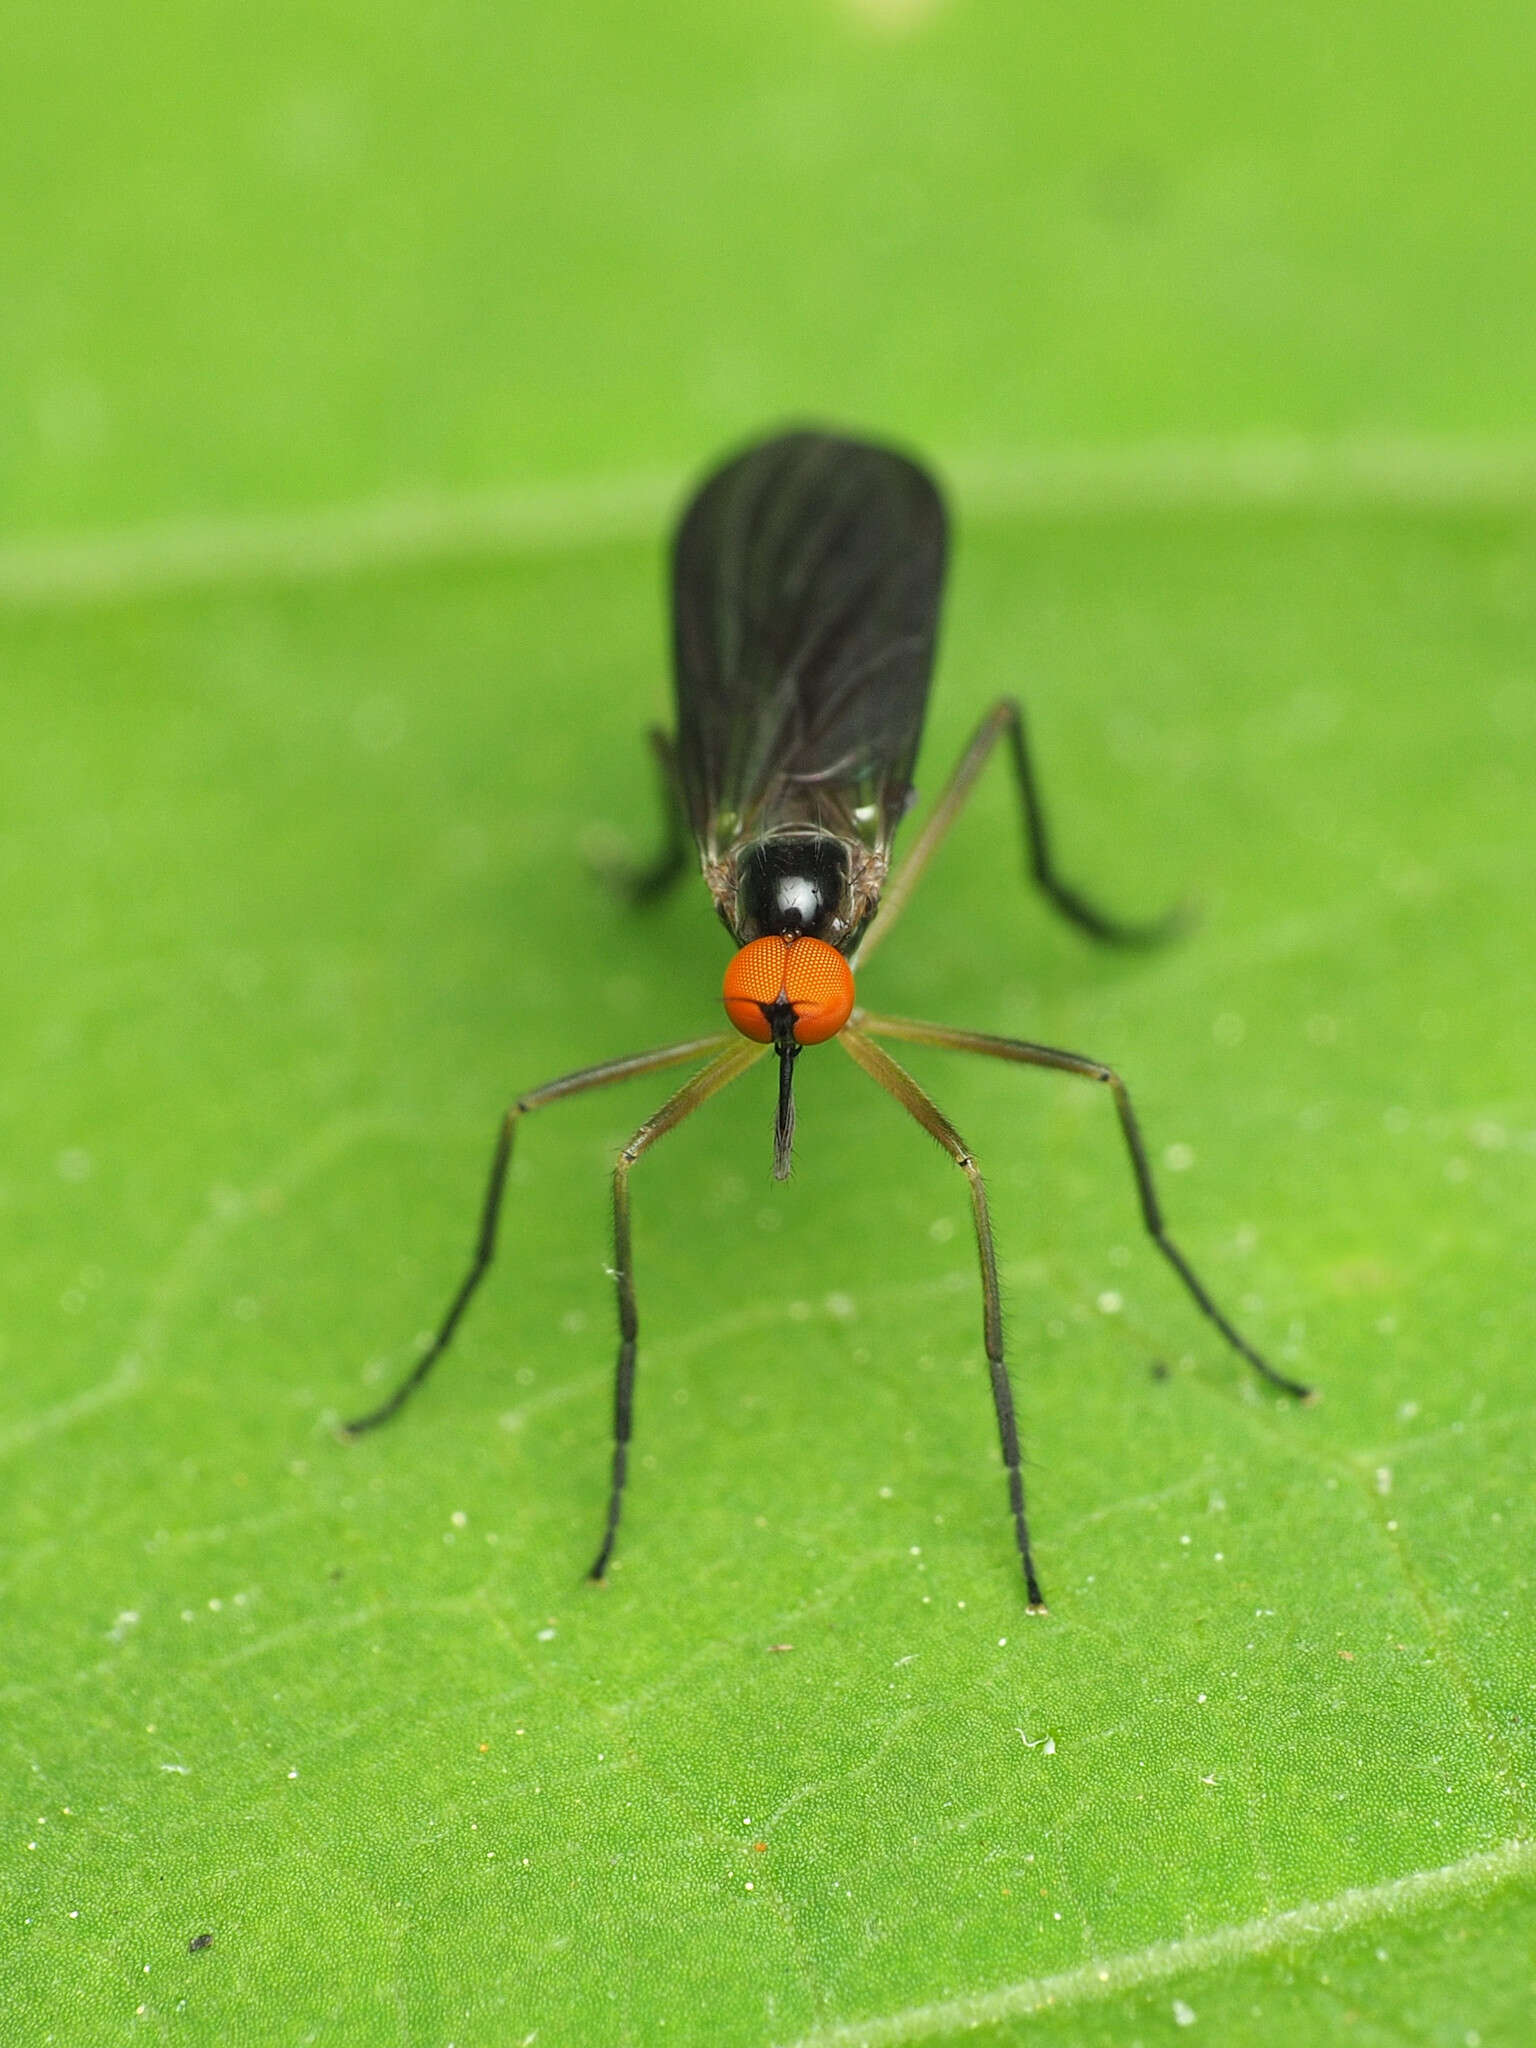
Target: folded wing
806, 582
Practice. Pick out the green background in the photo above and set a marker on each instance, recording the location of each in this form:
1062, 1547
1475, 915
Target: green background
351, 361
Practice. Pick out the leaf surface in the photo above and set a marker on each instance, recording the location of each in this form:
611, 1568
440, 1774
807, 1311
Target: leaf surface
330, 621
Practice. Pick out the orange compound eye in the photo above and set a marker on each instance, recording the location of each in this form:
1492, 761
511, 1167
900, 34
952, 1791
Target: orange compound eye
754, 981
819, 983
810, 975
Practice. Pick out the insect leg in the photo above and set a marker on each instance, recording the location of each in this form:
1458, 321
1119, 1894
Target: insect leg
485, 1242
1024, 1053
1006, 719
720, 1072
642, 885
898, 1082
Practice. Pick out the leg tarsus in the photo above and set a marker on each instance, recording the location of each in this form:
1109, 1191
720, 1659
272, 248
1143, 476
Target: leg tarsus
485, 1251
1073, 905
644, 885
623, 1425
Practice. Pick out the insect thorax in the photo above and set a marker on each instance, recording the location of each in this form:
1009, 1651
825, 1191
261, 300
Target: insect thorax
799, 883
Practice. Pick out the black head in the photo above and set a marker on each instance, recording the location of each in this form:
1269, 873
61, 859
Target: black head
794, 885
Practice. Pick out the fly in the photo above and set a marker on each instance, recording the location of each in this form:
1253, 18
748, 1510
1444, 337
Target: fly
806, 580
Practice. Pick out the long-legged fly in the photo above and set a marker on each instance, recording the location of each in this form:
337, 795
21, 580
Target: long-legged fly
806, 578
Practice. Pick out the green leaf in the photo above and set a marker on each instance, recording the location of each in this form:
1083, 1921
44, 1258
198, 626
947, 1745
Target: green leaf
307, 752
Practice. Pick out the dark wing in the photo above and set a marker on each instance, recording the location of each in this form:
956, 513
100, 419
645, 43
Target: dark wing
806, 577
